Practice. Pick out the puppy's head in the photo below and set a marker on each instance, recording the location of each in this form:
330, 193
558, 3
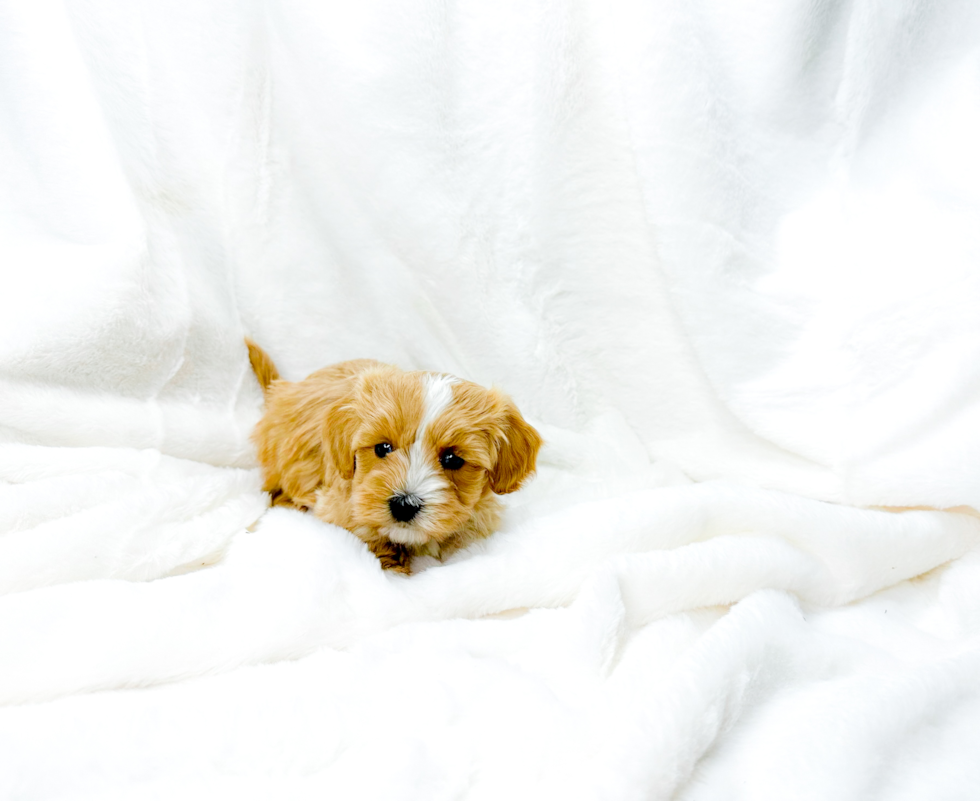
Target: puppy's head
423, 449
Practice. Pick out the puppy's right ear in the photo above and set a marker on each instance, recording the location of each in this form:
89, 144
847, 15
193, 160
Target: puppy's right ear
518, 450
339, 426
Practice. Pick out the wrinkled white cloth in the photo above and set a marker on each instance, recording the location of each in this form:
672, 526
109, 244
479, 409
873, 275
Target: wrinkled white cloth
724, 255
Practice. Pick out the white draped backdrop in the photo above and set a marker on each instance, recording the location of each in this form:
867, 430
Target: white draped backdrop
724, 254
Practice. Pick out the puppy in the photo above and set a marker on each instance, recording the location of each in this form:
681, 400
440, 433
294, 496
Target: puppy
410, 462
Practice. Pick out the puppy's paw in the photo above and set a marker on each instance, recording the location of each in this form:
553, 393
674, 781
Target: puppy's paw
279, 498
392, 556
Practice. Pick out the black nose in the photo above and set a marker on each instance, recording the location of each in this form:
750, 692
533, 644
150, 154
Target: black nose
404, 507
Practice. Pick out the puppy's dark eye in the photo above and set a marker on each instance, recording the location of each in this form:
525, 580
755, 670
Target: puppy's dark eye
382, 449
450, 461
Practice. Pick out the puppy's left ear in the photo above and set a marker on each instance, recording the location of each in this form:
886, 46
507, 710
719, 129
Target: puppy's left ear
339, 427
517, 454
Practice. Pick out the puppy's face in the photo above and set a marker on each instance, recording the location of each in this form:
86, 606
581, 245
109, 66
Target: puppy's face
423, 449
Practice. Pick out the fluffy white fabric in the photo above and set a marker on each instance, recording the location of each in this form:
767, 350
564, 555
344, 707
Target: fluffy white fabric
724, 254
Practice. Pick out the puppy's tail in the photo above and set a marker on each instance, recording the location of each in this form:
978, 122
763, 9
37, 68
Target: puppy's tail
264, 369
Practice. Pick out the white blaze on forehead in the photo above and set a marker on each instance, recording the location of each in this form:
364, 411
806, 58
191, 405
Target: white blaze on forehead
438, 396
422, 478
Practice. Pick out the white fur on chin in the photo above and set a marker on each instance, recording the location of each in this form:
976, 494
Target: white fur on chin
405, 534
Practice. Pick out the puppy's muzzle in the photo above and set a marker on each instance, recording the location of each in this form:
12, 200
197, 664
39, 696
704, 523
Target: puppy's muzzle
404, 507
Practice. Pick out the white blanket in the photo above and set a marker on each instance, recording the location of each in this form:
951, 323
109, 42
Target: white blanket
723, 254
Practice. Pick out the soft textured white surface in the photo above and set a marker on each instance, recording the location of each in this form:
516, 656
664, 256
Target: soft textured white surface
724, 254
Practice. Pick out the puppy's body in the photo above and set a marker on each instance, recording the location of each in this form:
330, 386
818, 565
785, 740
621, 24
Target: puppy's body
410, 462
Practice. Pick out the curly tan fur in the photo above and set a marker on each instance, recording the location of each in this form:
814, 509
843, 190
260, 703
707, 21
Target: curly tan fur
317, 444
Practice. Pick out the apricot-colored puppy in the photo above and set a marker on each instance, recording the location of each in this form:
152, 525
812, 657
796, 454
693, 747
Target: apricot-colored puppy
408, 462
